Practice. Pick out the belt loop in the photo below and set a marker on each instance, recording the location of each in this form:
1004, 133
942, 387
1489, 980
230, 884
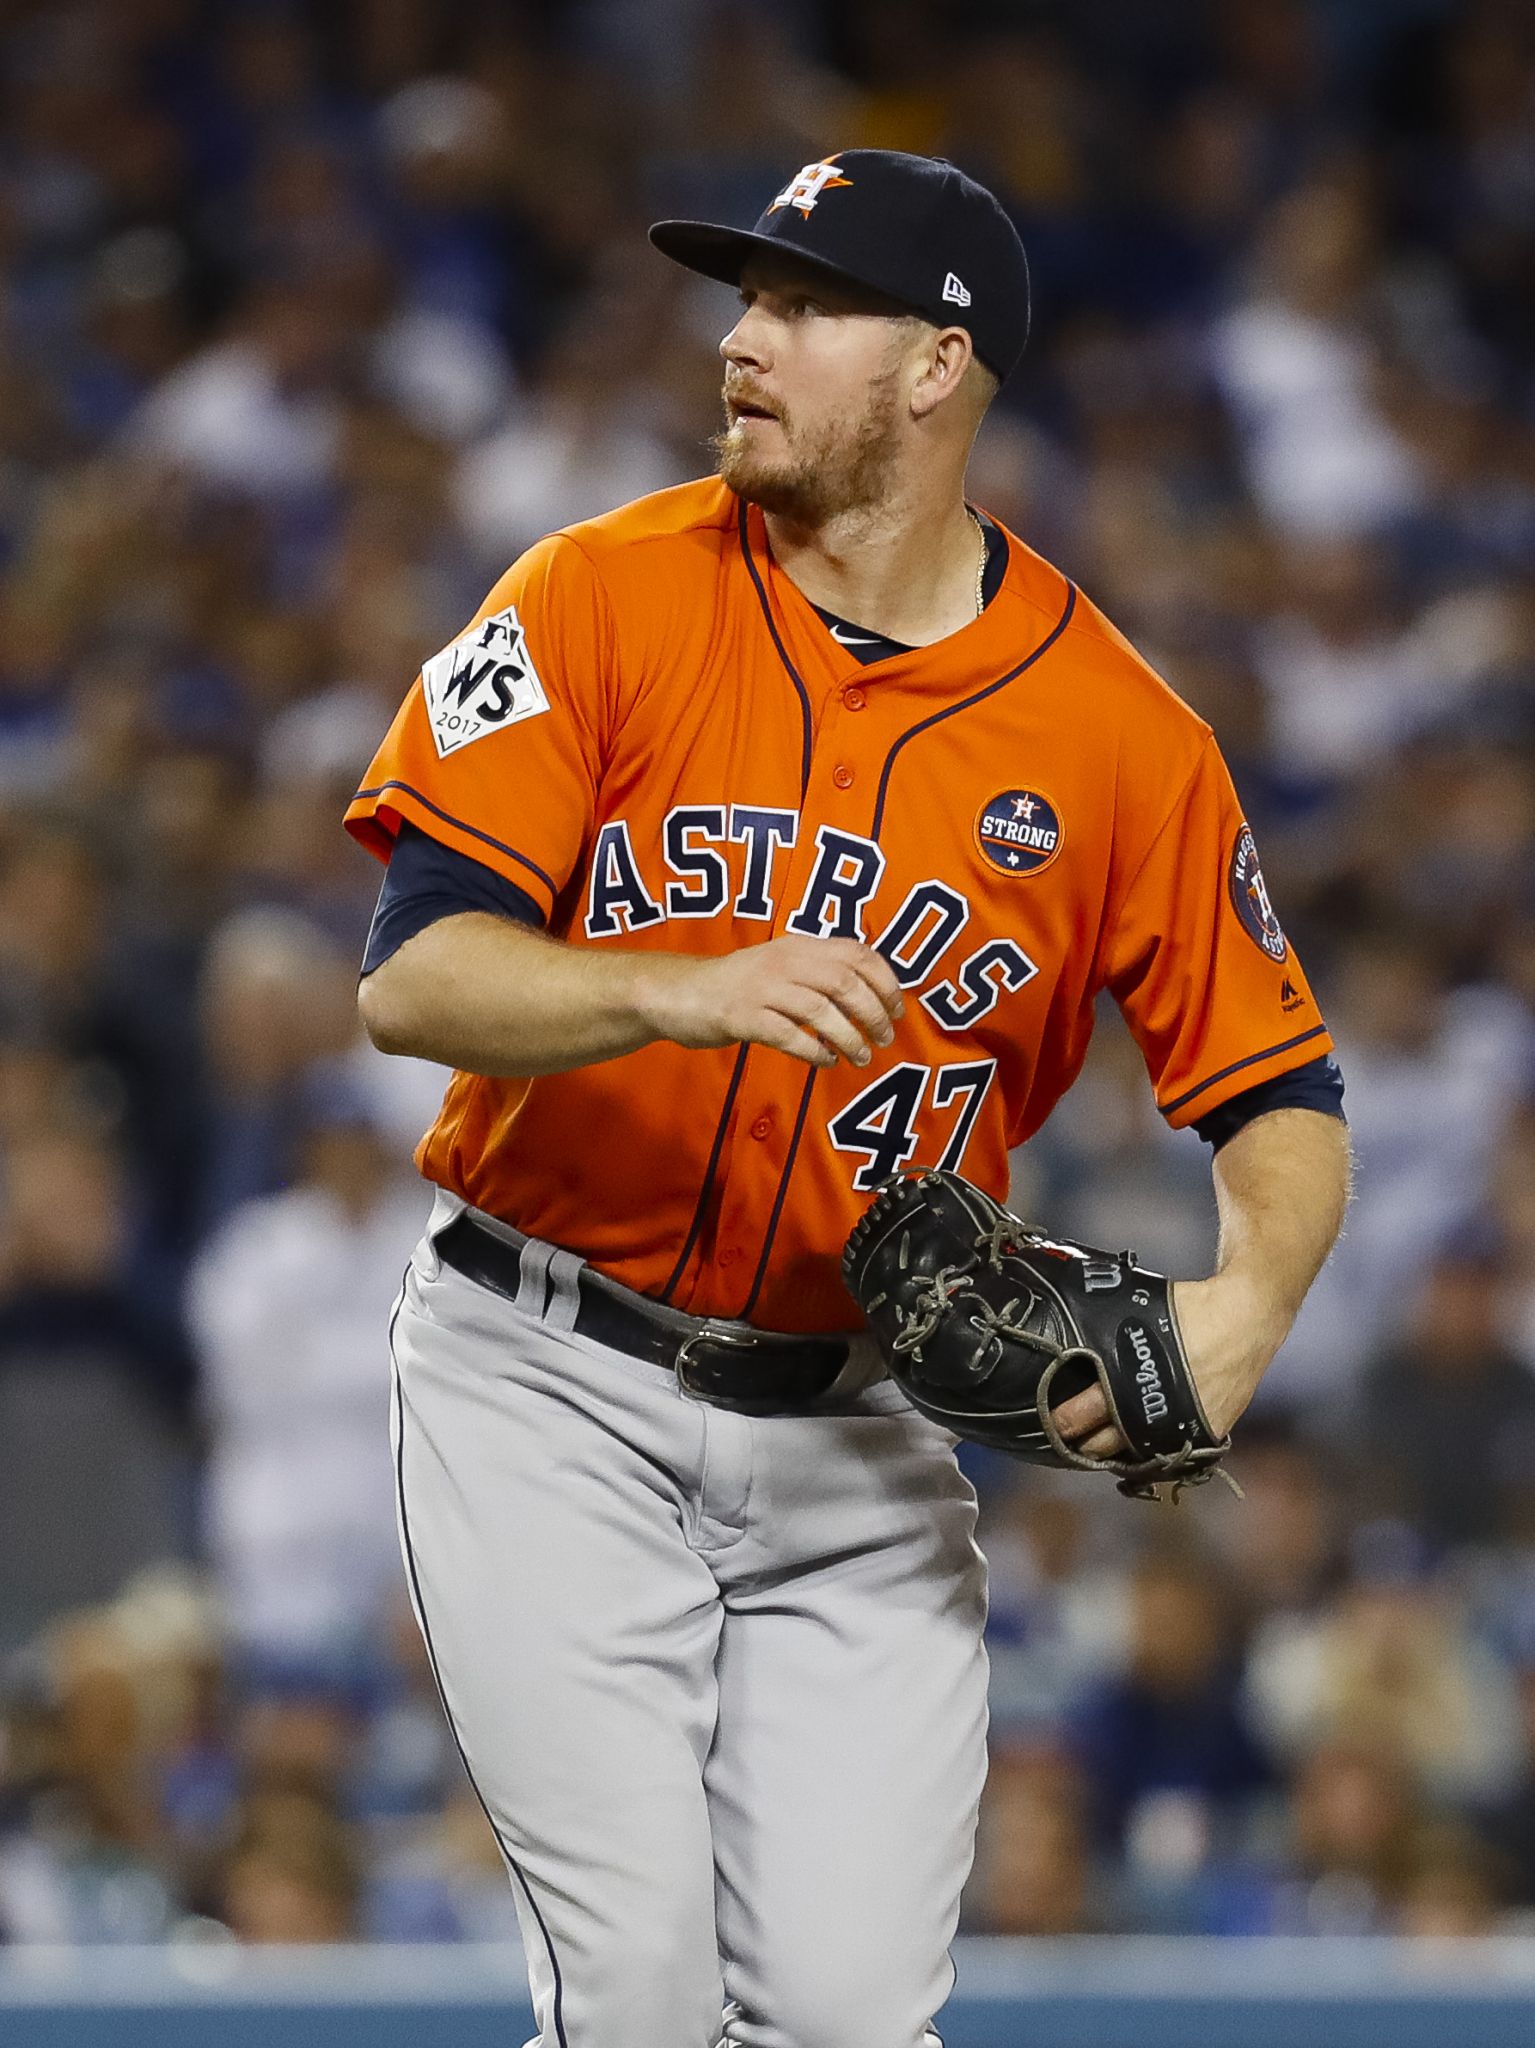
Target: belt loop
533, 1269
564, 1290
445, 1209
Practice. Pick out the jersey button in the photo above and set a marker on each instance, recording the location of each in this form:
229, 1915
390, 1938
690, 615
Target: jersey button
842, 776
729, 1254
763, 1127
854, 698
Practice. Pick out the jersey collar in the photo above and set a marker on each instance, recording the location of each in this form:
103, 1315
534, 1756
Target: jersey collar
987, 644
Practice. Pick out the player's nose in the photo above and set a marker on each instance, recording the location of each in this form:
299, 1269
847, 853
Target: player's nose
745, 346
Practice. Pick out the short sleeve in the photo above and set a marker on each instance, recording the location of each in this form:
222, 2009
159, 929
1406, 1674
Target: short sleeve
496, 751
1198, 961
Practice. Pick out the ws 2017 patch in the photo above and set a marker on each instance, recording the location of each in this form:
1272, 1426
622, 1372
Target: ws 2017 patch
484, 681
1250, 899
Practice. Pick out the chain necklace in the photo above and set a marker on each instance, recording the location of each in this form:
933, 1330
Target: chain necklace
980, 573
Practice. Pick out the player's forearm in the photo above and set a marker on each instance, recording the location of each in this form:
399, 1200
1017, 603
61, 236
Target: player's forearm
489, 996
1281, 1186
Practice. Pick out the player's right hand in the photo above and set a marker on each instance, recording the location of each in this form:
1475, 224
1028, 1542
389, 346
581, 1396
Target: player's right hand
820, 1000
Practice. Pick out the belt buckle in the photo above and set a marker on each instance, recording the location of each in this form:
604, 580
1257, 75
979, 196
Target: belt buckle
711, 1332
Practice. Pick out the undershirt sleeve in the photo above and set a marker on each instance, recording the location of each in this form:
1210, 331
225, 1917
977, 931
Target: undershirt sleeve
1316, 1085
425, 881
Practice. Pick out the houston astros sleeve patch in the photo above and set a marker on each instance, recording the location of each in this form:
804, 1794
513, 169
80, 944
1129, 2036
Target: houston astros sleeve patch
1198, 959
485, 680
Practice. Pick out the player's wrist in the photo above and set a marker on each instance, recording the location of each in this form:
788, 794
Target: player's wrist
653, 989
1234, 1318
1255, 1298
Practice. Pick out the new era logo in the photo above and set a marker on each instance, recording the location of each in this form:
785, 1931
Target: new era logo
954, 292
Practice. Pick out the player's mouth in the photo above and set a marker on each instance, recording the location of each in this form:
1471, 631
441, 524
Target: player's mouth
748, 409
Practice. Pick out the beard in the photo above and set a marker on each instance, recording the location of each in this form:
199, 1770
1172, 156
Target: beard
817, 473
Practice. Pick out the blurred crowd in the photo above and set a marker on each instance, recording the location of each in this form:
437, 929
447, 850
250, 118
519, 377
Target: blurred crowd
311, 318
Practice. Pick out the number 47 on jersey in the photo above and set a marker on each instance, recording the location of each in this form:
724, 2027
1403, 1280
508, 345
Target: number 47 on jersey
881, 1121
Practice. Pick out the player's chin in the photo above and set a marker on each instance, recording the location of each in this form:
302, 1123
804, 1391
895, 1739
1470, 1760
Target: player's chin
744, 459
750, 471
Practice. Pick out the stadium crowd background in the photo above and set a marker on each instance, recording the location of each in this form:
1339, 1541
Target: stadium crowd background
310, 319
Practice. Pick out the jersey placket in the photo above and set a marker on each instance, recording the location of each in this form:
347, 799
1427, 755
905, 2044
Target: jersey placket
864, 712
776, 1099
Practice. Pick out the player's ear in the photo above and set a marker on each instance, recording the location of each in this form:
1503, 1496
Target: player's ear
946, 357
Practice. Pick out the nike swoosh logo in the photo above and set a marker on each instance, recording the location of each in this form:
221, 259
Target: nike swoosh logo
852, 639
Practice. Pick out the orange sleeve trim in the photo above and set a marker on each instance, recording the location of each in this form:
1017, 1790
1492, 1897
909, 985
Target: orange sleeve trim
1253, 1059
360, 822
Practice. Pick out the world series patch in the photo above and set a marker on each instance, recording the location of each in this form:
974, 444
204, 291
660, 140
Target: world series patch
1250, 899
484, 681
1019, 831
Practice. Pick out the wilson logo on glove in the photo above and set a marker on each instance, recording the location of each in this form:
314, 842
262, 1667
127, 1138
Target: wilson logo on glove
1148, 1378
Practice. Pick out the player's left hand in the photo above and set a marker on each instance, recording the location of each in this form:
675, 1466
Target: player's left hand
1230, 1335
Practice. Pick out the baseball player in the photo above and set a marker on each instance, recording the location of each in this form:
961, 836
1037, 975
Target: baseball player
757, 840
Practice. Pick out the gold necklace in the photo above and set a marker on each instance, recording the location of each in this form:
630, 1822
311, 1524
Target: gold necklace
980, 573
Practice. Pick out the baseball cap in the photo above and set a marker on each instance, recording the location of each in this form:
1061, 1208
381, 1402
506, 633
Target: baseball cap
914, 228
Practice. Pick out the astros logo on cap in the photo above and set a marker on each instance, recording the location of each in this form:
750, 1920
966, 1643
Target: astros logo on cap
806, 186
1019, 831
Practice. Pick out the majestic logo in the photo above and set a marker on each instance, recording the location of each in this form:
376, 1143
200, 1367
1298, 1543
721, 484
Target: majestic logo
1019, 831
1250, 899
955, 292
806, 186
1290, 997
484, 681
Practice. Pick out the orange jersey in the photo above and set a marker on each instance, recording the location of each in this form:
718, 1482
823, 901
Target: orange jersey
651, 732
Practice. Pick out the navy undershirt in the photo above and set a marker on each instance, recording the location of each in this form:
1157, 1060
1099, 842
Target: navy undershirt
426, 881
1316, 1085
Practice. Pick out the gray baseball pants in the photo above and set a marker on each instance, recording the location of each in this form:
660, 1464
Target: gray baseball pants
718, 1679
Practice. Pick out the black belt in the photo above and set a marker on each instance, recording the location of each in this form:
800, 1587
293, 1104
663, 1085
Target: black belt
728, 1364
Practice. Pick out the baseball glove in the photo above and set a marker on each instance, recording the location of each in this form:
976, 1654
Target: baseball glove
986, 1324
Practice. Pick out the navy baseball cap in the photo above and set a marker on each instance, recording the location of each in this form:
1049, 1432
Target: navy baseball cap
913, 228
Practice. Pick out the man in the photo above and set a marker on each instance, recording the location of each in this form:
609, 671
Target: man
759, 839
